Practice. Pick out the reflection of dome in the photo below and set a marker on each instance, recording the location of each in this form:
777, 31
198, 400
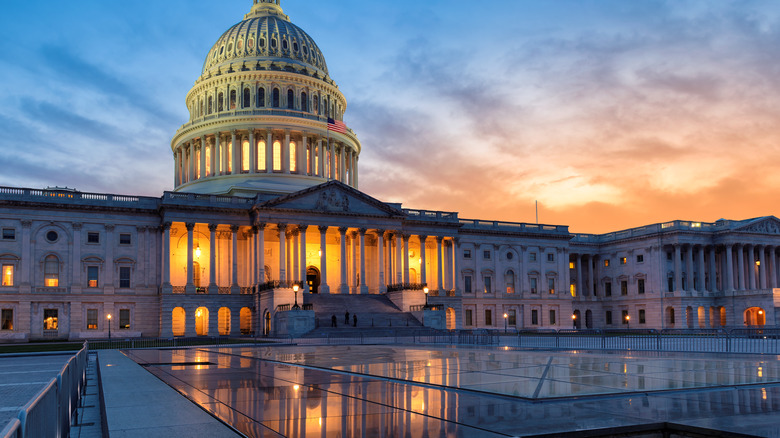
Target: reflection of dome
265, 34
265, 117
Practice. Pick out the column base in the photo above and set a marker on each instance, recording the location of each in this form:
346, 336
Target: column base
344, 289
324, 289
189, 289
213, 289
167, 288
364, 290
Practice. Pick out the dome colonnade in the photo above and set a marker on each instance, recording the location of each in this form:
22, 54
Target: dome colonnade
265, 116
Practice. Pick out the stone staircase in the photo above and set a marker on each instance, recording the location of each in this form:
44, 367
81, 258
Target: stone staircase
375, 314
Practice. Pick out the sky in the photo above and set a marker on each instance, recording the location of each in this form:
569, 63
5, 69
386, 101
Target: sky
610, 114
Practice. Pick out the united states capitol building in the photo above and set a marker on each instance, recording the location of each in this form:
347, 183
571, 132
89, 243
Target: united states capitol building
266, 216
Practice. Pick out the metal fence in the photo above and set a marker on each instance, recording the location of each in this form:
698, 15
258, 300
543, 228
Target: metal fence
173, 342
49, 412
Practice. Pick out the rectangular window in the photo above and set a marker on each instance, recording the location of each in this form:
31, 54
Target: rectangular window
641, 316
9, 234
486, 255
466, 253
124, 319
608, 289
125, 239
512, 317
623, 260
640, 285
124, 277
624, 287
92, 318
8, 275
571, 265
93, 237
551, 285
467, 284
50, 319
533, 286
488, 317
532, 256
534, 317
669, 255
550, 257
7, 319
670, 284
606, 263
92, 276
552, 317
469, 321
624, 316
640, 258
608, 317
488, 287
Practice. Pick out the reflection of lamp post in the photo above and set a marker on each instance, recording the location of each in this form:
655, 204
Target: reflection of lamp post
295, 289
505, 327
574, 321
628, 321
109, 326
425, 291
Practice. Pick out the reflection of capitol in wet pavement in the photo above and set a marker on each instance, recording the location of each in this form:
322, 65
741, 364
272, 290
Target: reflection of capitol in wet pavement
434, 391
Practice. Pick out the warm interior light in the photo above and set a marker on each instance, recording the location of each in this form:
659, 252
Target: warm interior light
574, 316
760, 312
296, 387
197, 252
627, 317
198, 313
319, 253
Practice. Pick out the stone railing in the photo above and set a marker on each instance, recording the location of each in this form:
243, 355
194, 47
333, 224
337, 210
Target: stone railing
405, 286
223, 290
431, 215
66, 195
475, 224
179, 289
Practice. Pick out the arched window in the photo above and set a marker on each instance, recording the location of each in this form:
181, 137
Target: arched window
211, 105
509, 279
208, 161
304, 102
220, 102
200, 113
261, 155
276, 98
245, 156
316, 103
51, 271
260, 97
290, 99
230, 157
247, 99
277, 156
232, 99
293, 157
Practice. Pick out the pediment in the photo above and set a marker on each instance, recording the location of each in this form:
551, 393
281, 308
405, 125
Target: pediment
765, 225
332, 197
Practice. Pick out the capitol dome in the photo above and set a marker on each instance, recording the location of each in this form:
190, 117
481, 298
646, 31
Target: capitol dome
265, 34
265, 116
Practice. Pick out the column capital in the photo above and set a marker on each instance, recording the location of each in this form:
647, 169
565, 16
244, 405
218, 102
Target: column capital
75, 225
190, 226
343, 230
323, 228
253, 230
260, 225
165, 226
439, 239
405, 237
234, 228
281, 227
362, 231
26, 224
213, 227
379, 233
422, 238
302, 228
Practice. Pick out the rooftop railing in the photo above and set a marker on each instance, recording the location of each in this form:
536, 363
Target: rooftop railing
71, 196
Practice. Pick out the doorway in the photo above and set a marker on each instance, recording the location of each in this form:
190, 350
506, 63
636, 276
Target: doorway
313, 279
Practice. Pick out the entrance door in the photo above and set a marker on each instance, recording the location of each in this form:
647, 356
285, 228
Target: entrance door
313, 279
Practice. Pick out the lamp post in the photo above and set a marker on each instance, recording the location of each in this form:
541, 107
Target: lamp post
425, 291
109, 326
505, 327
295, 290
574, 321
628, 321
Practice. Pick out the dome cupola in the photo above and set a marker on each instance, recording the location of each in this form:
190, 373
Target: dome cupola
265, 116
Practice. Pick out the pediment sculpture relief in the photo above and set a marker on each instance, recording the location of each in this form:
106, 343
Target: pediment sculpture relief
332, 200
766, 227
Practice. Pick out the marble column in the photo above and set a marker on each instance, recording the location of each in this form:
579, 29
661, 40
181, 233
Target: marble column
252, 151
455, 264
320, 159
203, 145
423, 265
729, 274
440, 250
190, 287
399, 270
578, 272
751, 266
773, 269
282, 228
269, 152
236, 153
324, 288
234, 288
380, 240
740, 267
286, 153
343, 287
677, 268
591, 281
689, 274
405, 258
761, 267
363, 285
700, 274
213, 259
296, 256
302, 232
166, 256
218, 160
713, 283
260, 243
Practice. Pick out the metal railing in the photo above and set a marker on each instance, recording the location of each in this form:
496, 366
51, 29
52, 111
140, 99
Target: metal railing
49, 412
174, 342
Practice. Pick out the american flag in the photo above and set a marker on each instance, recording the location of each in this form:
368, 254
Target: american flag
337, 126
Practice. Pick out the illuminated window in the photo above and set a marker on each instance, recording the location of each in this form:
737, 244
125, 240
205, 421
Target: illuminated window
50, 319
220, 156
623, 260
125, 239
260, 97
308, 161
571, 265
124, 319
7, 319
277, 156
9, 234
573, 289
208, 161
93, 237
245, 156
551, 285
606, 263
509, 278
197, 164
92, 317
293, 157
51, 271
92, 276
232, 99
487, 280
230, 157
8, 275
124, 277
261, 155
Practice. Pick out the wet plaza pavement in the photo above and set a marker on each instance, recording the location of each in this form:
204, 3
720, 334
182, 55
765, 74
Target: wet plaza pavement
417, 391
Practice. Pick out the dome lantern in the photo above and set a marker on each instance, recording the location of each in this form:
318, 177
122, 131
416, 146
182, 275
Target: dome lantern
266, 7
